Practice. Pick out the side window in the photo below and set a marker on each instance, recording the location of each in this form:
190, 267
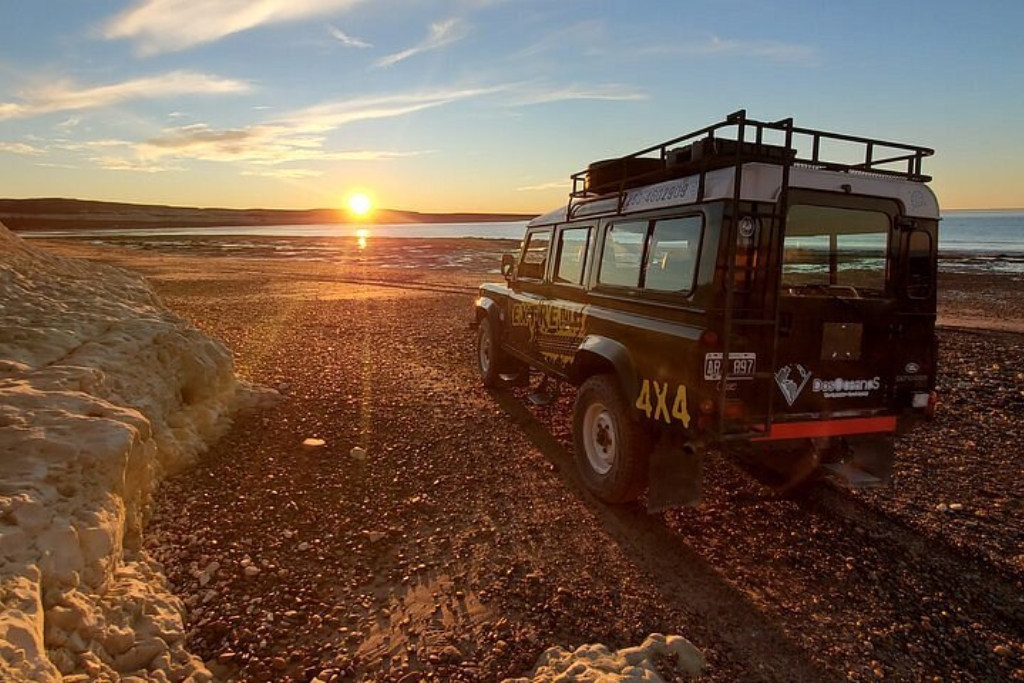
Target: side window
572, 255
672, 257
622, 254
535, 255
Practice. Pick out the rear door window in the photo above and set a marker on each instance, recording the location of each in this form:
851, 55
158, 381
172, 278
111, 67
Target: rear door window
829, 246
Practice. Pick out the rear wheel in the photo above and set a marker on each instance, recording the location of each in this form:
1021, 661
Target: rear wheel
612, 449
488, 353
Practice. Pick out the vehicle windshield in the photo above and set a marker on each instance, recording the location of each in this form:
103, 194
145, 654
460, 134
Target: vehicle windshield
841, 250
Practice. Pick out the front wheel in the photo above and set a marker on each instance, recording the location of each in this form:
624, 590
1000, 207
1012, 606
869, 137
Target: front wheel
488, 353
612, 449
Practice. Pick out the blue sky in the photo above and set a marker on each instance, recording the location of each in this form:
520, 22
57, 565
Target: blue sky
480, 105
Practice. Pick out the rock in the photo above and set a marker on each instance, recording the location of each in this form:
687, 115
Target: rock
140, 655
597, 662
358, 453
450, 655
314, 443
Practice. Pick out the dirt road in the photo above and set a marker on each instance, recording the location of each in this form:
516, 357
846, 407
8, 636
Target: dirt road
463, 544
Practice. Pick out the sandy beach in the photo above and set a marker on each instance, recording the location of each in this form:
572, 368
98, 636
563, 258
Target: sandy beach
455, 543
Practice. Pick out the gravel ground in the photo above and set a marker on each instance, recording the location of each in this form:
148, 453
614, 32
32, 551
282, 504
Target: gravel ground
463, 545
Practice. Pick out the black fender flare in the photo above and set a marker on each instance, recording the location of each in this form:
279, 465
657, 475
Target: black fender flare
596, 353
486, 306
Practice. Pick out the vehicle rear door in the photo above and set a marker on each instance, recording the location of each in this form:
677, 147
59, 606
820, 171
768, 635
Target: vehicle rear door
837, 306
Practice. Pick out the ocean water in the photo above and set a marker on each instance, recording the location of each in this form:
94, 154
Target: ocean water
991, 241
969, 241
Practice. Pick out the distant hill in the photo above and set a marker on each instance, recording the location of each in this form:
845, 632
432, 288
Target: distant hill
78, 214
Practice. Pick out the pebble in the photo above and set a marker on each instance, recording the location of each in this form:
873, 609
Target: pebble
358, 453
251, 570
314, 443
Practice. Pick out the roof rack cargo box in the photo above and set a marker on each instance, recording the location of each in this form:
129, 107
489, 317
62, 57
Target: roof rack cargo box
712, 152
623, 173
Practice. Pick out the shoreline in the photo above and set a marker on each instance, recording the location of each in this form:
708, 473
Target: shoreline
976, 298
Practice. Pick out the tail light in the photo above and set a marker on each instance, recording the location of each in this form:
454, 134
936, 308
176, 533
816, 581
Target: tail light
710, 339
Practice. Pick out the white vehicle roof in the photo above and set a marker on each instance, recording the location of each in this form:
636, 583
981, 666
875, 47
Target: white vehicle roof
760, 182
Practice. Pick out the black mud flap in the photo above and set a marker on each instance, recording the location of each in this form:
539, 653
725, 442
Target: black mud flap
675, 474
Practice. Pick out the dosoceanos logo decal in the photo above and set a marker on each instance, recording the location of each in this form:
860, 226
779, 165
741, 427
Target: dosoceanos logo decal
792, 379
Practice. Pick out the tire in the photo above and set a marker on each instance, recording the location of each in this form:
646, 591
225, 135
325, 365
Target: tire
612, 448
489, 356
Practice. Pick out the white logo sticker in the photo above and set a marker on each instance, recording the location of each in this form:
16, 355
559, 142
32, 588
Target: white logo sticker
791, 380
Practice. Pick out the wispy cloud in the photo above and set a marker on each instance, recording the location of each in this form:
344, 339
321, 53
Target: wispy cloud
284, 173
584, 37
262, 144
19, 148
553, 185
48, 164
170, 25
115, 163
612, 92
67, 96
441, 34
331, 115
91, 145
268, 145
761, 49
345, 39
68, 124
299, 137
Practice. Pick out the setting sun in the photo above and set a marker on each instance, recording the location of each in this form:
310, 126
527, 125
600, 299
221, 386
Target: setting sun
359, 204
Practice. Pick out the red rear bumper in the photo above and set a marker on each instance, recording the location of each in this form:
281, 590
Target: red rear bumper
825, 428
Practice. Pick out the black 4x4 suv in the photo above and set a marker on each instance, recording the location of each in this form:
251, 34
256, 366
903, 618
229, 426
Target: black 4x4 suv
753, 287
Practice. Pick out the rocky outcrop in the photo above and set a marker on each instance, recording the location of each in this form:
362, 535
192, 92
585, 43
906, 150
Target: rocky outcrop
102, 392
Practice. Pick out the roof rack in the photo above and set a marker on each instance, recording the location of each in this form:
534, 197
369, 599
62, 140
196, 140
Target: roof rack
738, 140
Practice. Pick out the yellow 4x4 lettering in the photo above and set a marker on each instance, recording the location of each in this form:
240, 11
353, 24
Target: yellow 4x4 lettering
658, 408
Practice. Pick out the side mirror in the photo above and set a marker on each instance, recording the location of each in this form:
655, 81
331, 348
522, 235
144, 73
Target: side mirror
508, 264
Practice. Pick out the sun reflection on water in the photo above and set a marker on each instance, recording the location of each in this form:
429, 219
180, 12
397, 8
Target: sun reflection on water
361, 236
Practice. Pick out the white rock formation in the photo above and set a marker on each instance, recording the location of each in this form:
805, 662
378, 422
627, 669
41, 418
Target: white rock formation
102, 392
597, 663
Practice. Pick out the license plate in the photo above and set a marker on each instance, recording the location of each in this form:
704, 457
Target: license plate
742, 365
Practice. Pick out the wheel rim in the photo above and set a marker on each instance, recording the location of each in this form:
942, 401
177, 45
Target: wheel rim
599, 438
484, 352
